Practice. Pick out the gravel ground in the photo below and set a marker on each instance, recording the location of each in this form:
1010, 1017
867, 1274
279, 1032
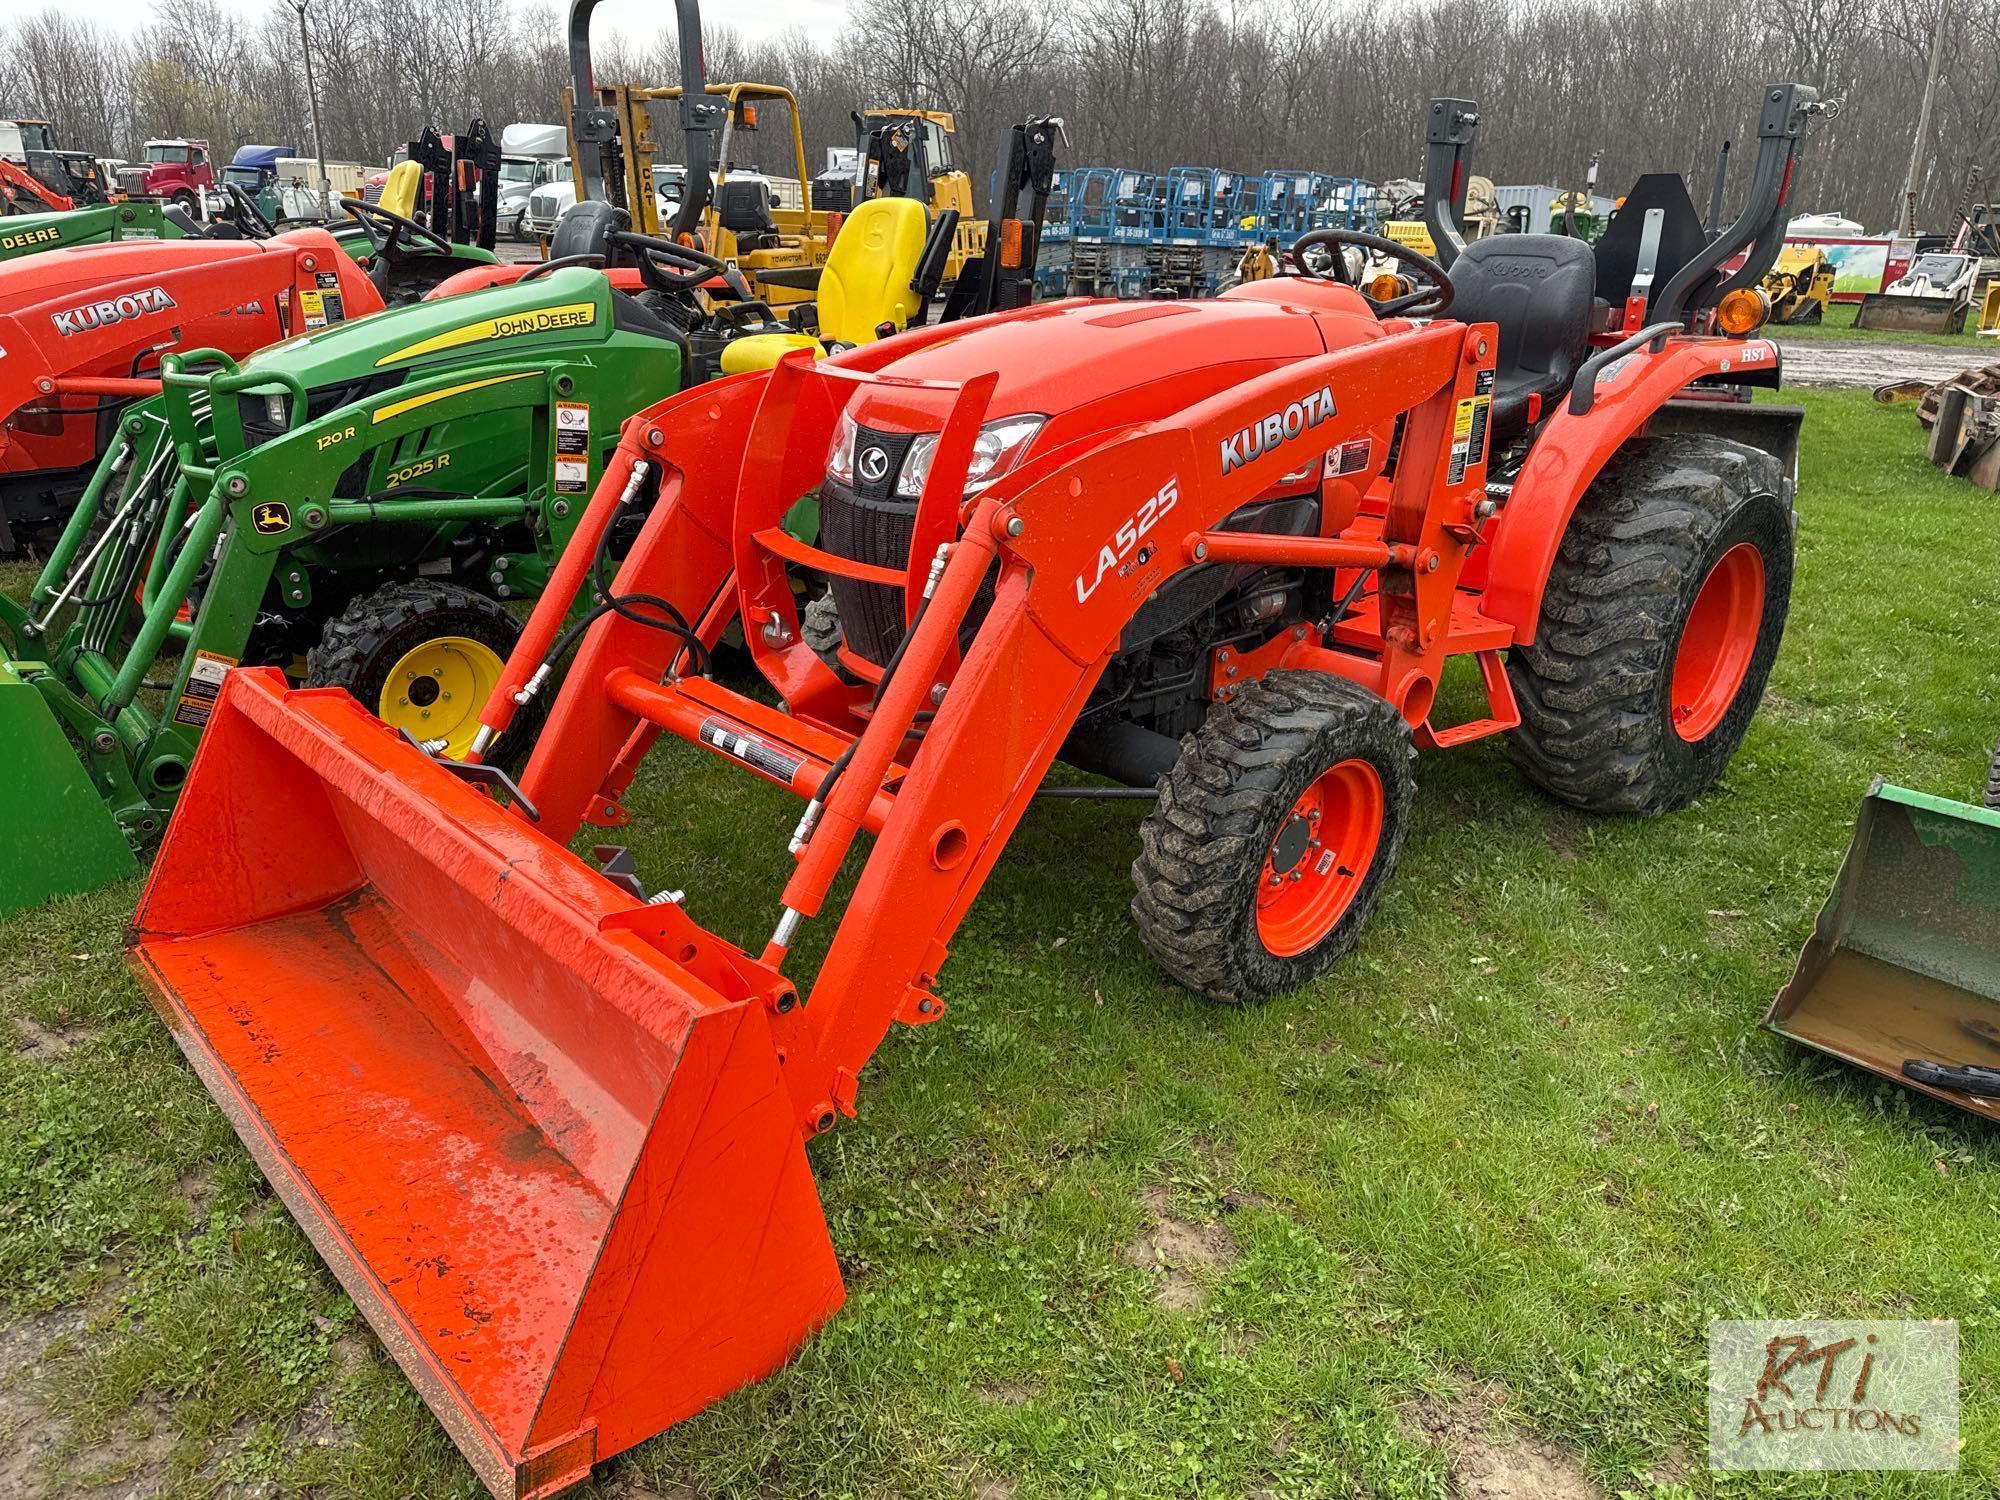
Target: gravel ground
1826, 362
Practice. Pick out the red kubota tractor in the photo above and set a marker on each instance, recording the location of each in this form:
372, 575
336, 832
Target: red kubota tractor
83, 328
550, 1131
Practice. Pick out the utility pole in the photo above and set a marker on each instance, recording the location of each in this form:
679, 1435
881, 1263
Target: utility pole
1923, 122
312, 103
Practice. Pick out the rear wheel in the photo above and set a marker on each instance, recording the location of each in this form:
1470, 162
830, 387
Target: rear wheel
1993, 781
1275, 834
422, 657
1661, 619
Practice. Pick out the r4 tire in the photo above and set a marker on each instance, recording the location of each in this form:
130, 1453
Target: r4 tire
1661, 618
1274, 835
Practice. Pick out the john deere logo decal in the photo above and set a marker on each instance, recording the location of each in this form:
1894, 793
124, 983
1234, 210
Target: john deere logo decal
112, 310
272, 517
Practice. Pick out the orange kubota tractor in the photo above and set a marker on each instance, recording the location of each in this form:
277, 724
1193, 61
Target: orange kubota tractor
550, 1131
84, 327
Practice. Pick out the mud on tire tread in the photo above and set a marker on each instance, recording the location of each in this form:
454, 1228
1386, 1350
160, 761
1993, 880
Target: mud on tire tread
1593, 689
358, 646
1202, 848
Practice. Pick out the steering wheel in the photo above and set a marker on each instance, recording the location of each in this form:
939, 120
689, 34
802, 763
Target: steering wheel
248, 214
388, 231
672, 268
1428, 301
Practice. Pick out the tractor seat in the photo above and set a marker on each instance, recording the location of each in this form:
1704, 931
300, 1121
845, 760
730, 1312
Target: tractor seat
744, 209
864, 285
400, 192
1539, 290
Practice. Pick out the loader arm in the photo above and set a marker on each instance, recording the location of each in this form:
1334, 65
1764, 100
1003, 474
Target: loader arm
577, 1207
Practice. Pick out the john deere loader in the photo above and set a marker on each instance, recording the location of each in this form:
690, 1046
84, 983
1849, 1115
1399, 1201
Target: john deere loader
355, 506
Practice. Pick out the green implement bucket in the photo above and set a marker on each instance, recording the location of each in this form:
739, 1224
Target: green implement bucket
1904, 962
56, 835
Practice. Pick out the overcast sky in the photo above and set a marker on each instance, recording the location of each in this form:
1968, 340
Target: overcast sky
749, 18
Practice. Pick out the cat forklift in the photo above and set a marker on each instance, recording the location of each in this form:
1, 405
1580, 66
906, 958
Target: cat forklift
611, 142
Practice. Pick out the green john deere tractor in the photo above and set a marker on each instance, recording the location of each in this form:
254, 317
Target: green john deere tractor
354, 506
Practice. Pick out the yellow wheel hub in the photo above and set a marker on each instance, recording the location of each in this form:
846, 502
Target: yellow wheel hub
437, 690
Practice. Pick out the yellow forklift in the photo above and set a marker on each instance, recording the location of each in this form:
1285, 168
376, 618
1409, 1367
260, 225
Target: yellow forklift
907, 153
747, 221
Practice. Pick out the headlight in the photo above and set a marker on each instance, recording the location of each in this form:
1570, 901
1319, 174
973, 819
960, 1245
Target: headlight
840, 457
997, 449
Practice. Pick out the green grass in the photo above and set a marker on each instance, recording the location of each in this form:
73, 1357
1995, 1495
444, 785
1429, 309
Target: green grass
1529, 1132
1839, 324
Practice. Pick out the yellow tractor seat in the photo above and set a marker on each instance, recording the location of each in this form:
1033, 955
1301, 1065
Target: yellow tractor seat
399, 193
864, 284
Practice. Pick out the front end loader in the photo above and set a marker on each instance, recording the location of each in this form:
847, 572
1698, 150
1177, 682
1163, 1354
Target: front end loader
549, 1129
356, 508
33, 233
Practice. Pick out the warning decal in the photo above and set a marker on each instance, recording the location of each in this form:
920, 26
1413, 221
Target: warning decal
1354, 457
312, 306
204, 683
1468, 435
755, 754
572, 447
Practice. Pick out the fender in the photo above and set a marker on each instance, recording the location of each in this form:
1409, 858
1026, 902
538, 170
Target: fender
1573, 449
479, 278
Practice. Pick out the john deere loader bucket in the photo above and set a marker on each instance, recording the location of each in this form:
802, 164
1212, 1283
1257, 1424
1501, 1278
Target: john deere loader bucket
56, 835
1904, 963
534, 1125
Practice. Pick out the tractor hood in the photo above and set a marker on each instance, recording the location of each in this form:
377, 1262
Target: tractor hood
43, 278
1091, 365
499, 322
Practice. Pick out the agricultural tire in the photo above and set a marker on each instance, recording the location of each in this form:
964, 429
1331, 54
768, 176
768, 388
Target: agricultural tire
1662, 615
1992, 798
420, 629
1275, 833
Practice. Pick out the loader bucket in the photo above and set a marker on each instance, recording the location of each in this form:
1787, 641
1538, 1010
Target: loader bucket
57, 835
536, 1127
1904, 961
1908, 314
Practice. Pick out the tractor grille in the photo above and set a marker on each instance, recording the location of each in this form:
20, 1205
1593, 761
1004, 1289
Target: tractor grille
869, 524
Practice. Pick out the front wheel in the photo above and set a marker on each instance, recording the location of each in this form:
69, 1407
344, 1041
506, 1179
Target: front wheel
1274, 836
1661, 618
423, 657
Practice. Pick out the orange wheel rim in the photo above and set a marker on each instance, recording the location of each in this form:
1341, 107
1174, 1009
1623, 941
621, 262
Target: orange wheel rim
1718, 641
1319, 857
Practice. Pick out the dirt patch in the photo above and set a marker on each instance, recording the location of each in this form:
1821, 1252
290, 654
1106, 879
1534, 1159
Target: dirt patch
1869, 363
993, 1487
47, 1042
1486, 1465
28, 1434
1008, 1393
1175, 1249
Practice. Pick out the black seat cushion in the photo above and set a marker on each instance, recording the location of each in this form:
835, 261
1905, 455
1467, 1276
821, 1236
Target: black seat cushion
586, 229
1538, 288
745, 211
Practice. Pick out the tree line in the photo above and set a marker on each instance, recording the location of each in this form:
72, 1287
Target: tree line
1246, 84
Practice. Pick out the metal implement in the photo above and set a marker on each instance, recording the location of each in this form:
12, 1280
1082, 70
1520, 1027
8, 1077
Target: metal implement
1904, 961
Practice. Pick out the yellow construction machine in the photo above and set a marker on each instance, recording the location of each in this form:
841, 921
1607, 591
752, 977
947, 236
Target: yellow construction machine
908, 153
1800, 285
744, 216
